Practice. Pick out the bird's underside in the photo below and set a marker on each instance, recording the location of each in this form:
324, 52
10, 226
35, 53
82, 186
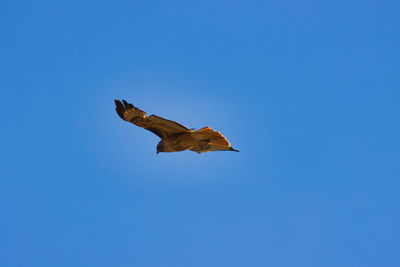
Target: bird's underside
174, 136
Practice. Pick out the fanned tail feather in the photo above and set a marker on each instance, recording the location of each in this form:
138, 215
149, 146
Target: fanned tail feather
213, 137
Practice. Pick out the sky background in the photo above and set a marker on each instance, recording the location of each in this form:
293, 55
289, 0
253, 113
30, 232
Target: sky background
308, 91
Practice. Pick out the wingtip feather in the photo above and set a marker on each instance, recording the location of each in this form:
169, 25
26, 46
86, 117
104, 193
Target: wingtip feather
119, 108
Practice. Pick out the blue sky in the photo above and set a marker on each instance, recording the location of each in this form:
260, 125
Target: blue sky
308, 91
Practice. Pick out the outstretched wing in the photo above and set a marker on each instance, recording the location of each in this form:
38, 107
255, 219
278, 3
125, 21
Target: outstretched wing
160, 126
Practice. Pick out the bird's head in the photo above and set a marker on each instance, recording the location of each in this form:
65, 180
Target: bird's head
160, 147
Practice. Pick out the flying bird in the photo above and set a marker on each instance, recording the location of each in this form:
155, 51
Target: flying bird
174, 136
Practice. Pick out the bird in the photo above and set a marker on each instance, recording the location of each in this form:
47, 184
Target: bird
174, 136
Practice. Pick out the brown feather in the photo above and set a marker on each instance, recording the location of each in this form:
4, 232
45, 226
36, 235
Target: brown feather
213, 137
159, 126
174, 136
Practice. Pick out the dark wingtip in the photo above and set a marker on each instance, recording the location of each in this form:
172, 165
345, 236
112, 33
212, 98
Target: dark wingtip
118, 103
232, 149
119, 108
126, 104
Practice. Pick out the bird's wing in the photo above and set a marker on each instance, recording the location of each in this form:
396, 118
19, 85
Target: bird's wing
160, 126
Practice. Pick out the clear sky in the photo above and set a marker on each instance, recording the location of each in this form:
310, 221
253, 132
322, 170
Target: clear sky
308, 91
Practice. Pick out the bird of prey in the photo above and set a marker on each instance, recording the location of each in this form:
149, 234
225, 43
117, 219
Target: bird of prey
174, 136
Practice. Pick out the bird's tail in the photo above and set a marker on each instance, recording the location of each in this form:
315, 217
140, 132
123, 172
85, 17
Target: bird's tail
213, 137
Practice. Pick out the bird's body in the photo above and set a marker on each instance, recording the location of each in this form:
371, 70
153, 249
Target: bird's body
174, 136
178, 142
